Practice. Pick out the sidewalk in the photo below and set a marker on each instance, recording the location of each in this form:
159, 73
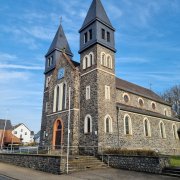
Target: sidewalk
20, 173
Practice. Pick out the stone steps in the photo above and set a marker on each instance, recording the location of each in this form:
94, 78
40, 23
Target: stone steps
172, 171
82, 163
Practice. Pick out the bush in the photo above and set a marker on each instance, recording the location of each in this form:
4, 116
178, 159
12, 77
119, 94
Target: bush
132, 152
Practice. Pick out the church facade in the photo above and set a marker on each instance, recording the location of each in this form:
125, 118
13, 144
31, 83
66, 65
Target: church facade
103, 110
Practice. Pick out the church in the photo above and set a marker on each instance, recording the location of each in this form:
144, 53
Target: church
103, 111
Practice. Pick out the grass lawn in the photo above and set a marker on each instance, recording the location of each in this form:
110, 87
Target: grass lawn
175, 161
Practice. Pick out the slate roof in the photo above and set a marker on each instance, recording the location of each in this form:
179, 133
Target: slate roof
144, 112
139, 90
60, 43
8, 124
96, 11
76, 64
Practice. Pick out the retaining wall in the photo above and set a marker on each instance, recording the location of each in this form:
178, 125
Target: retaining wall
138, 163
46, 163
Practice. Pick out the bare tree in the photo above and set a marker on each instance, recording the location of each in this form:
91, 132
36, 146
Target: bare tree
172, 96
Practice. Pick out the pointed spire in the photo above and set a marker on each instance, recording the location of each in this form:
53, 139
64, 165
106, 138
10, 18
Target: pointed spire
60, 42
96, 12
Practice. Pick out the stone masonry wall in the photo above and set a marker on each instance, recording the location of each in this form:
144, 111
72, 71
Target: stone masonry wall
71, 77
160, 108
50, 164
138, 163
138, 140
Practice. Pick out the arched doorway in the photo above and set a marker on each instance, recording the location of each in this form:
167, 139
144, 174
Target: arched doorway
57, 134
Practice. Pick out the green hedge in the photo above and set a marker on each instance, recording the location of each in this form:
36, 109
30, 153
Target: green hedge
132, 152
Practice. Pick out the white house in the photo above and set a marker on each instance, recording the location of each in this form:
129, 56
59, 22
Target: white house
21, 131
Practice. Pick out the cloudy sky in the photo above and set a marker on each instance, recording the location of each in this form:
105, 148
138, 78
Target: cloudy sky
147, 43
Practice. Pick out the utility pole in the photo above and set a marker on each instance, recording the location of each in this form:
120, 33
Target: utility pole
69, 117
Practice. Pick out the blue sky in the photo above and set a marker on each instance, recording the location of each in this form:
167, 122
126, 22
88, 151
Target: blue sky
147, 43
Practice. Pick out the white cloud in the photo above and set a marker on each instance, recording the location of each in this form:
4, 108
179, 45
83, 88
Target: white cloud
6, 76
15, 66
131, 60
7, 56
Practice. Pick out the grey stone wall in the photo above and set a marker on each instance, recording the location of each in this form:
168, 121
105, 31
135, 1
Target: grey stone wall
50, 164
138, 140
71, 77
138, 163
97, 76
147, 102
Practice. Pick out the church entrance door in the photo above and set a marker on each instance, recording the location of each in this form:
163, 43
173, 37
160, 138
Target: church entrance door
58, 134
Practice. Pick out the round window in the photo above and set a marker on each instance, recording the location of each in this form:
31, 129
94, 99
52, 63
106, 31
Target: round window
126, 98
141, 103
153, 105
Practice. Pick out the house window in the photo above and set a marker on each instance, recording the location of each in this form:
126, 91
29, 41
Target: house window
25, 133
174, 128
21, 130
162, 130
108, 124
103, 33
108, 37
127, 125
88, 92
85, 37
90, 34
141, 102
147, 129
107, 92
126, 98
15, 132
87, 124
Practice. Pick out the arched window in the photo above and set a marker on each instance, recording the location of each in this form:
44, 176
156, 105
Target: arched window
103, 58
57, 99
88, 124
147, 128
85, 62
64, 97
174, 128
165, 112
127, 125
162, 130
91, 57
47, 81
109, 61
107, 124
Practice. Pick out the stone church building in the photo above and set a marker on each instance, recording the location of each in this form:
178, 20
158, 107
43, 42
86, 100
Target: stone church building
103, 110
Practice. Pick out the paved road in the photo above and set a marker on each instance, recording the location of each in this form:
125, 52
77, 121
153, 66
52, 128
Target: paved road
10, 172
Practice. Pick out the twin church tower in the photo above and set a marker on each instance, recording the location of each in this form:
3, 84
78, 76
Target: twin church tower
83, 92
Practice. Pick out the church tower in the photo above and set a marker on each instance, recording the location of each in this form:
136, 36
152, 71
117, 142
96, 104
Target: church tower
61, 75
97, 82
